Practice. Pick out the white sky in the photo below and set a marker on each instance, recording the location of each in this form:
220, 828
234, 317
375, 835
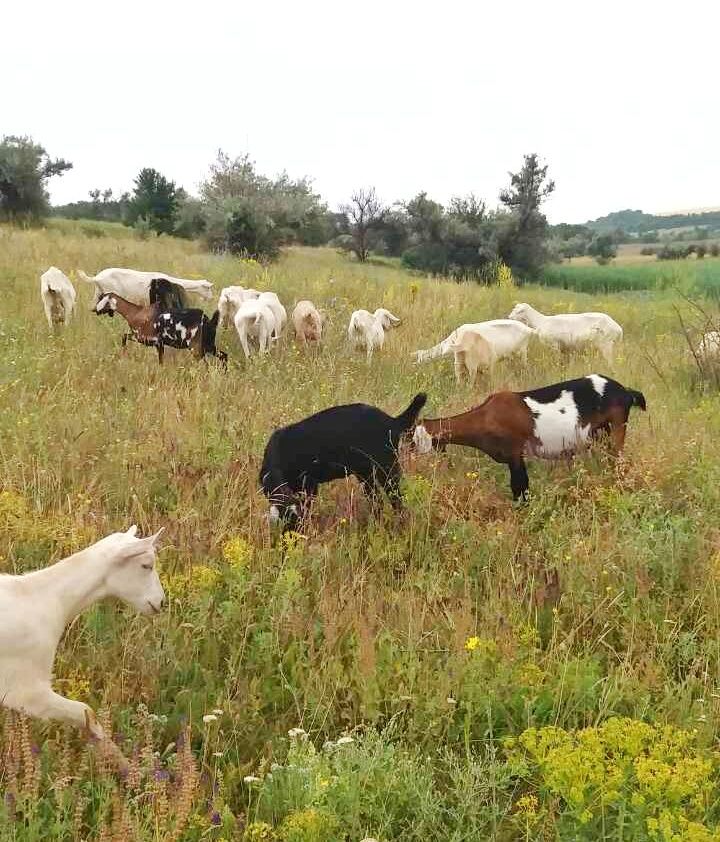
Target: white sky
619, 98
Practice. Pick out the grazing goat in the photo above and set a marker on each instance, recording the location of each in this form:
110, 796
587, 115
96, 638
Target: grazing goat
572, 331
367, 330
167, 294
58, 296
504, 337
36, 607
356, 439
308, 322
551, 423
230, 299
134, 286
254, 320
270, 300
150, 325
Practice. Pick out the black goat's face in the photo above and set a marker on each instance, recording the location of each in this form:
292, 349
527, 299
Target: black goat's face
105, 305
286, 514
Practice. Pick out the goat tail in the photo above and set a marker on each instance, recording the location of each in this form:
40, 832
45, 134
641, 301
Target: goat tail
407, 419
638, 399
84, 277
436, 351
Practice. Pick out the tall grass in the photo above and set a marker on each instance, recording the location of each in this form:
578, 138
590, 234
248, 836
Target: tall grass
692, 277
453, 675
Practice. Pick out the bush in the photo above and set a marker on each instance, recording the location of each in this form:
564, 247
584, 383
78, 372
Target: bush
648, 250
668, 252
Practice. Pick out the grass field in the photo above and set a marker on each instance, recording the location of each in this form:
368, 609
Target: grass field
479, 671
690, 277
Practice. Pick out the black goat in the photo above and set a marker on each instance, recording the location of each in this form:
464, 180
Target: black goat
355, 439
168, 295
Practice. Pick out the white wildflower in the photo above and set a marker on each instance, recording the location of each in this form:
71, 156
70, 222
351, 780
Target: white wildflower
209, 717
451, 701
252, 779
345, 741
297, 733
218, 712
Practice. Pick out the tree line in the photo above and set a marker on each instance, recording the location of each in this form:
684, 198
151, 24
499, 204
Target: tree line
240, 211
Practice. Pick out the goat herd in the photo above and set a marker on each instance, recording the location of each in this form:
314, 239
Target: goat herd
360, 440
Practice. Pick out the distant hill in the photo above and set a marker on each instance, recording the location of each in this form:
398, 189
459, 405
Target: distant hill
639, 222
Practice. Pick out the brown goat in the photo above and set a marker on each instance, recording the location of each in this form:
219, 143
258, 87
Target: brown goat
552, 422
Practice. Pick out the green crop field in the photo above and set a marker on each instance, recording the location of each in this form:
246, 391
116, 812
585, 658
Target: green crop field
690, 277
477, 670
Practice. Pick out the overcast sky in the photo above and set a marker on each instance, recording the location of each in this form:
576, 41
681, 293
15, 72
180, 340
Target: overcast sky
620, 99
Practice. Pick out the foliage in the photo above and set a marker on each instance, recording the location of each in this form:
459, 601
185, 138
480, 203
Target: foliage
154, 201
100, 206
248, 213
364, 214
25, 168
602, 248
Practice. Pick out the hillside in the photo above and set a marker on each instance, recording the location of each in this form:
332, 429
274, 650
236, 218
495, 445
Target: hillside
475, 670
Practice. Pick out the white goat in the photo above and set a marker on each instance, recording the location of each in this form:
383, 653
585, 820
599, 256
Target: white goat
58, 296
254, 319
307, 321
270, 299
504, 337
35, 609
134, 286
367, 330
572, 331
230, 299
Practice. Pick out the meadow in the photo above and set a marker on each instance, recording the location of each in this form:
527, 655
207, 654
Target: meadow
480, 670
636, 272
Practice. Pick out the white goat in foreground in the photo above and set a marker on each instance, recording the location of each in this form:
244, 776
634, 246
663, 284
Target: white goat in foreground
307, 322
134, 286
58, 296
572, 331
254, 320
35, 609
502, 338
229, 301
367, 330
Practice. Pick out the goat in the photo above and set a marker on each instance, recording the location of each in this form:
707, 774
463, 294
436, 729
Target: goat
504, 337
134, 286
551, 422
230, 299
36, 607
270, 300
58, 296
168, 295
367, 330
254, 319
308, 322
355, 439
150, 325
572, 331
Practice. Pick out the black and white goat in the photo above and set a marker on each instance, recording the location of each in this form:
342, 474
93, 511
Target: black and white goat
355, 439
188, 329
551, 423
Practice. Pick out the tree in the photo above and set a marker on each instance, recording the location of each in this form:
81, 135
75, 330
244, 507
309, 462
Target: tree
364, 214
523, 231
154, 200
247, 213
602, 248
25, 168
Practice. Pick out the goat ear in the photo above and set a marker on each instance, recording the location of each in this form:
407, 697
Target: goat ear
156, 537
132, 531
